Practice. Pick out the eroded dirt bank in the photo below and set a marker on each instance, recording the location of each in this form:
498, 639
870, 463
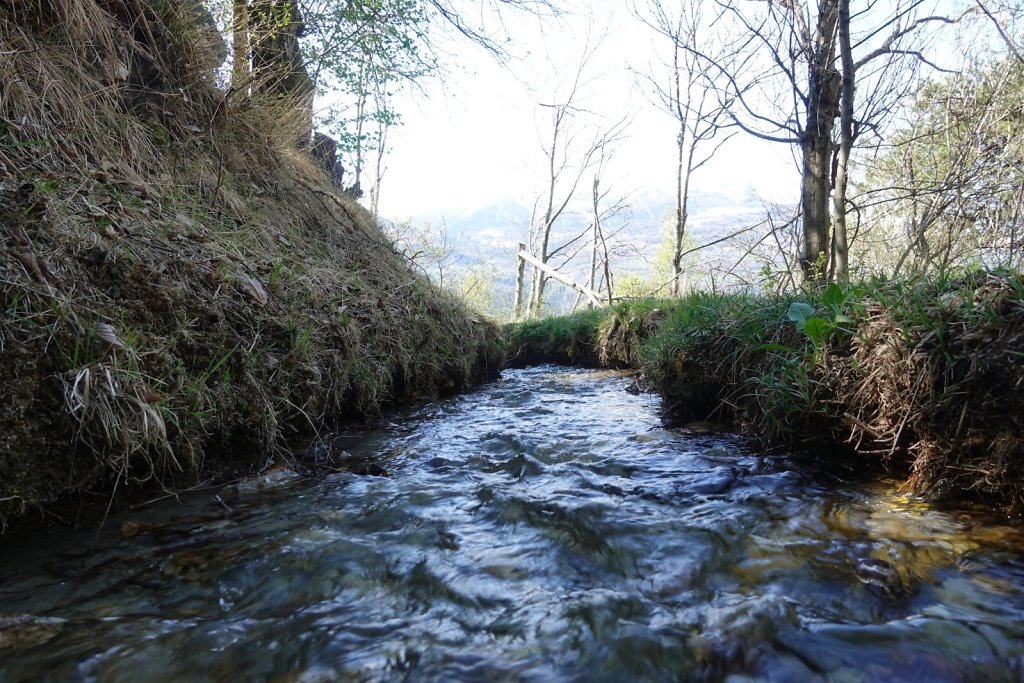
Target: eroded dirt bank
182, 291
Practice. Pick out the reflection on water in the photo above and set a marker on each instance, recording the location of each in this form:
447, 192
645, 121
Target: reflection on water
545, 528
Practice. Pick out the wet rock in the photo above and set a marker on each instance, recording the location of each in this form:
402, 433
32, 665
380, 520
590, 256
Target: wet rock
370, 469
268, 480
439, 463
882, 578
655, 435
188, 565
22, 631
638, 384
716, 452
506, 571
720, 480
736, 632
128, 529
523, 466
702, 427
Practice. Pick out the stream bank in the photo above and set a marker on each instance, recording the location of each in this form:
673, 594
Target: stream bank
183, 292
925, 378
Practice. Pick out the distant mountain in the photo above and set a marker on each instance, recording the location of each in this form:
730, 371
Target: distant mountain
489, 234
505, 217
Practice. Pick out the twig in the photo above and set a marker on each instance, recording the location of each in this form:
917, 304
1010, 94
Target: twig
906, 416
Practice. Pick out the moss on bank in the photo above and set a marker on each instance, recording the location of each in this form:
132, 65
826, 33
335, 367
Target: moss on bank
926, 376
181, 291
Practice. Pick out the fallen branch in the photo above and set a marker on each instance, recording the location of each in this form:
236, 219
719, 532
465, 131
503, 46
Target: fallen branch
555, 275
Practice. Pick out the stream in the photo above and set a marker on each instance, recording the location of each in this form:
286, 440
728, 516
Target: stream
548, 527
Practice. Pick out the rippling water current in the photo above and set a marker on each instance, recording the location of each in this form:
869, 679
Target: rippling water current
547, 527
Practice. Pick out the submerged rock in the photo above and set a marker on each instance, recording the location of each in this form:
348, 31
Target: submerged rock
23, 631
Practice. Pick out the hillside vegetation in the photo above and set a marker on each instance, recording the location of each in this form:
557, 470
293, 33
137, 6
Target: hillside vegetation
925, 377
182, 291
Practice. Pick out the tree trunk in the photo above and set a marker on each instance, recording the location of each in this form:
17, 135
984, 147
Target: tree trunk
683, 117
682, 280
840, 248
822, 107
537, 292
608, 282
677, 236
517, 302
595, 236
539, 279
240, 44
379, 170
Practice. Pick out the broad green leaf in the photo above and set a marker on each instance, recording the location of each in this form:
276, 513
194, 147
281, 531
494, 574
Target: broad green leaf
833, 296
799, 312
817, 329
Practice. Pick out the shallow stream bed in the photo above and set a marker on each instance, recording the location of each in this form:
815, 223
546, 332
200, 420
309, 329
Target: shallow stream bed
546, 527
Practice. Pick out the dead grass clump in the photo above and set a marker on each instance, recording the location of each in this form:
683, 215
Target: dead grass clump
619, 337
45, 91
82, 23
933, 380
971, 416
883, 383
116, 418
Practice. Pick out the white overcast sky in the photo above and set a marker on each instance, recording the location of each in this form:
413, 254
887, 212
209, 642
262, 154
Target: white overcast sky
475, 136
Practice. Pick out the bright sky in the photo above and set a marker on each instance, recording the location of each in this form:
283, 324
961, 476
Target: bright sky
476, 137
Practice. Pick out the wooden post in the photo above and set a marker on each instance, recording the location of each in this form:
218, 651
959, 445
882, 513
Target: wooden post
517, 303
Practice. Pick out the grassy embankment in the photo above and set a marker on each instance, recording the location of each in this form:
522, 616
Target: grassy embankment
182, 292
928, 377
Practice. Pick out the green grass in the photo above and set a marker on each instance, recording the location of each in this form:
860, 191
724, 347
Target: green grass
566, 339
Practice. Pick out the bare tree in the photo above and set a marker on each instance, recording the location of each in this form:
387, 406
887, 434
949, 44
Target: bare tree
689, 98
840, 247
379, 168
601, 276
571, 148
949, 188
603, 210
1010, 11
787, 87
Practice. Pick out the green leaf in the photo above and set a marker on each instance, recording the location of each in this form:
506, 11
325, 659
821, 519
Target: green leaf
799, 312
833, 296
817, 329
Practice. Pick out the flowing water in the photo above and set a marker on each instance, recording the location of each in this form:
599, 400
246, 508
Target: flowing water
547, 527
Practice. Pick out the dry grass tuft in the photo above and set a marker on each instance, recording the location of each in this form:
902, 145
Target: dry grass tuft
117, 420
